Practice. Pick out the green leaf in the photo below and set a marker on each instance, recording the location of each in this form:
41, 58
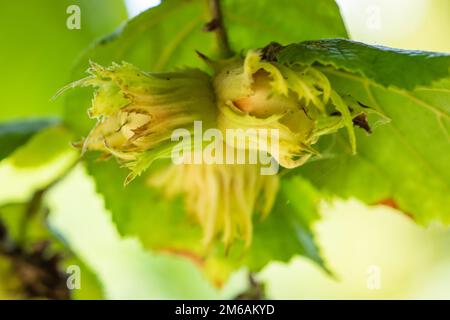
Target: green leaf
90, 286
163, 225
16, 133
386, 66
285, 233
43, 147
41, 49
406, 160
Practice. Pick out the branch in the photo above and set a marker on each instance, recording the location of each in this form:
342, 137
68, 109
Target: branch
35, 203
216, 25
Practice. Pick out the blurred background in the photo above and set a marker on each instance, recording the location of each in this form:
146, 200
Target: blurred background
375, 252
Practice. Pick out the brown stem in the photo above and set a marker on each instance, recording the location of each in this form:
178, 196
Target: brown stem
218, 27
255, 291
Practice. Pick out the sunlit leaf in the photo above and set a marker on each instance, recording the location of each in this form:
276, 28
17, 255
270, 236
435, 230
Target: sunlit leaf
34, 259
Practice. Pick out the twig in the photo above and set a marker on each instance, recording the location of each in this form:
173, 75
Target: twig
32, 208
35, 203
217, 25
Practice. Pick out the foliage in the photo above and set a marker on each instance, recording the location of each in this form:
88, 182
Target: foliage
14, 134
404, 160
